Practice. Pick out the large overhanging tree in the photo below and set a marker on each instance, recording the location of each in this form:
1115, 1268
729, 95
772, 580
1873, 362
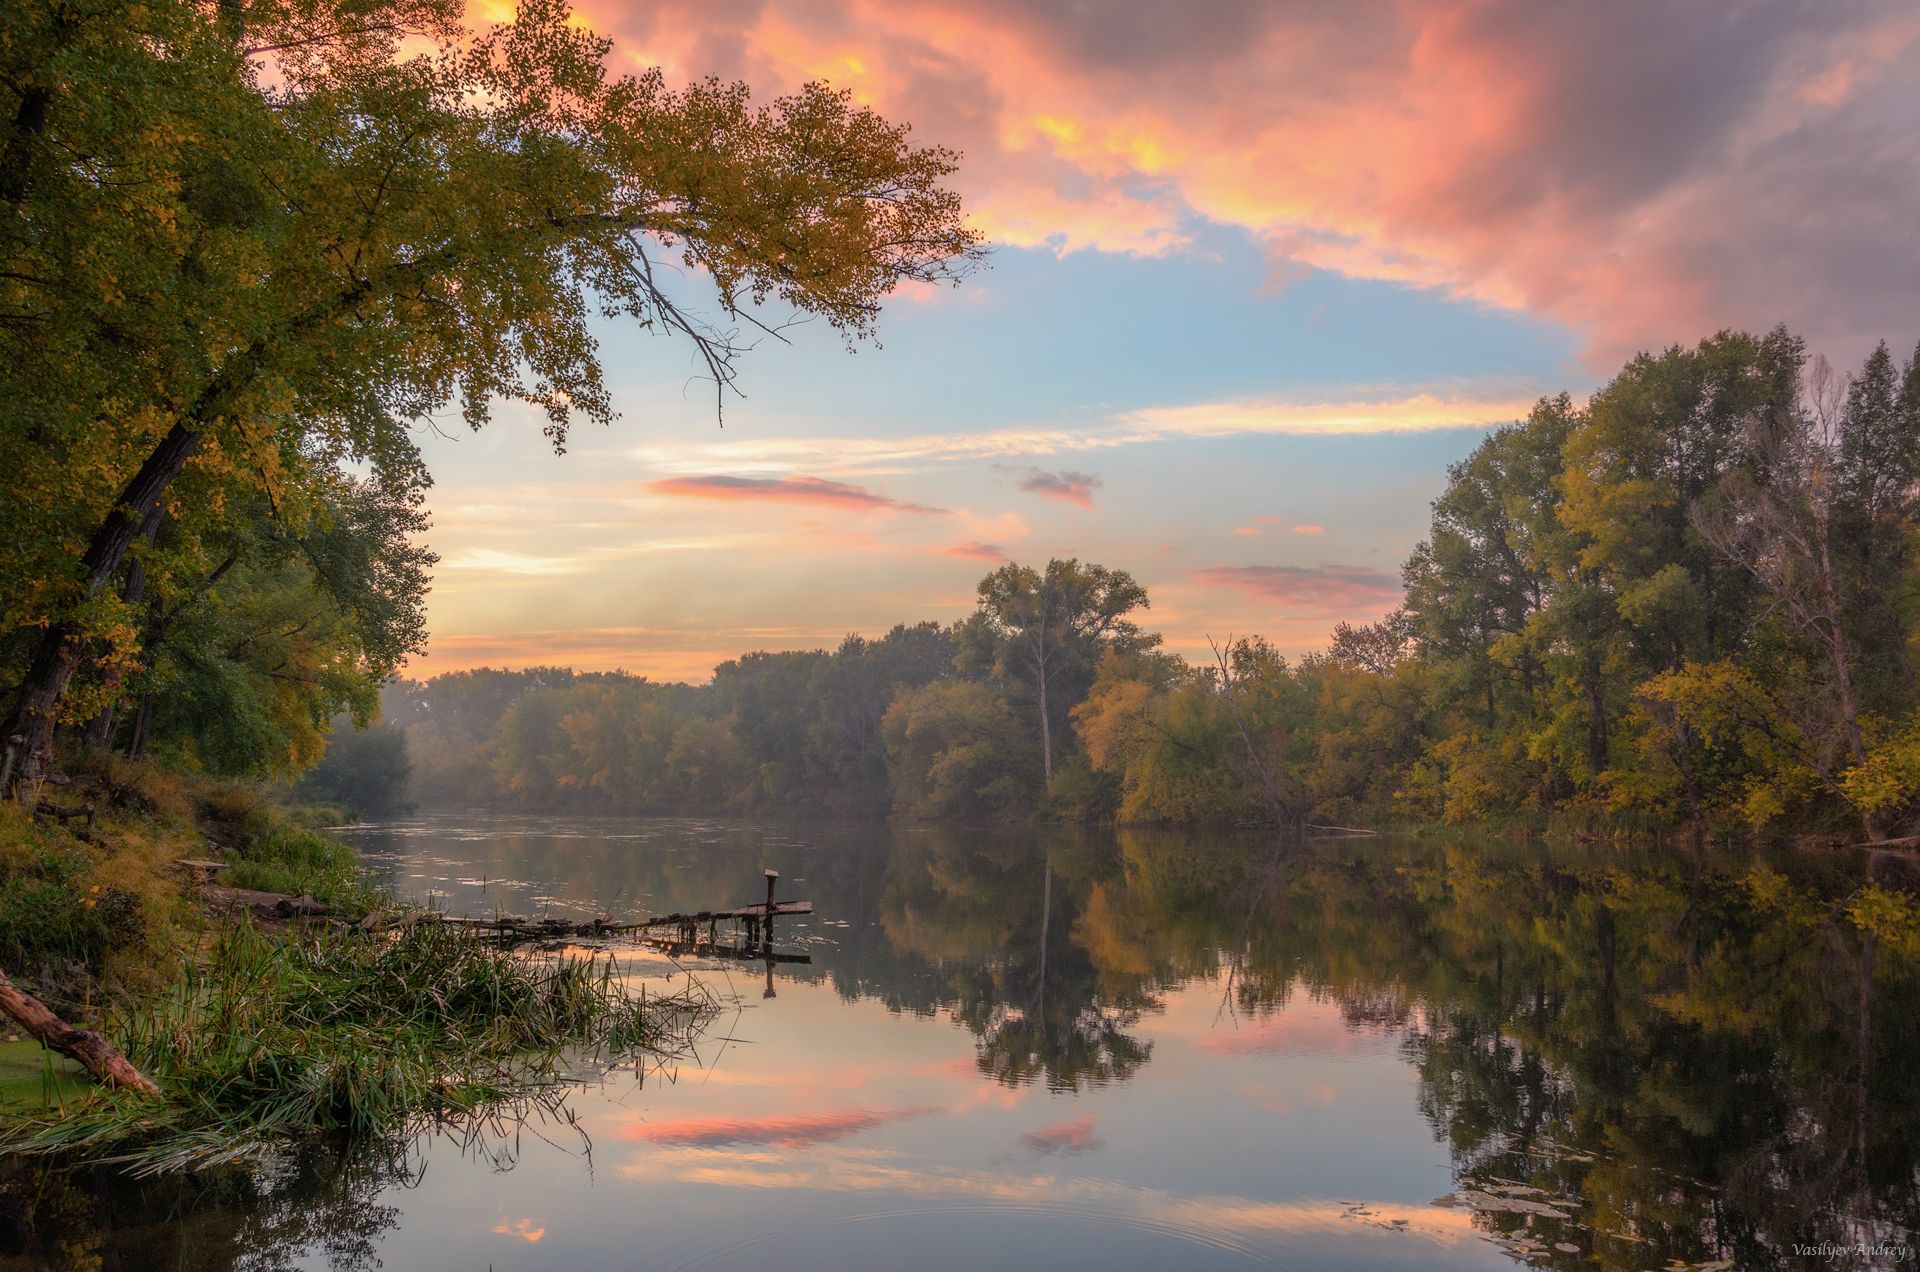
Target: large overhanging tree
226, 220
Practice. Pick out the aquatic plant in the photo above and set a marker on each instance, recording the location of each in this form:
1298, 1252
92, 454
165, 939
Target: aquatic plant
275, 1040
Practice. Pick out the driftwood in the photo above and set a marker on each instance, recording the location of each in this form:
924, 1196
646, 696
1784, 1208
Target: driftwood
1907, 841
99, 1056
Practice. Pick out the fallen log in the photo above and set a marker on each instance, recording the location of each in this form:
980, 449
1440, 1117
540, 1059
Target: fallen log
1906, 841
1348, 831
99, 1056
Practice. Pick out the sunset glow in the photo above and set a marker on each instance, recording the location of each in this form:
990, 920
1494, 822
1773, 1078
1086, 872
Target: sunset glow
1258, 276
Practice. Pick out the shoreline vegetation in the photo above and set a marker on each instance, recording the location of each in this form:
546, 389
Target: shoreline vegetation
1690, 605
246, 250
340, 1024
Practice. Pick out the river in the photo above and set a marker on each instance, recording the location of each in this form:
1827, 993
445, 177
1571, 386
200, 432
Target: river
1145, 1049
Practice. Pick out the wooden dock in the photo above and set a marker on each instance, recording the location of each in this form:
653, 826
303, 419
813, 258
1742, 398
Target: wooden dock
694, 931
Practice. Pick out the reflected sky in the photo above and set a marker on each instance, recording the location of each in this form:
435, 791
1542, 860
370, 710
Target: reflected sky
859, 1119
1152, 1049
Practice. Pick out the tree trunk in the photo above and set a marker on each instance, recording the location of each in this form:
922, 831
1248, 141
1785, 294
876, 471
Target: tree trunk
99, 1056
57, 654
100, 728
1046, 730
1596, 717
1838, 654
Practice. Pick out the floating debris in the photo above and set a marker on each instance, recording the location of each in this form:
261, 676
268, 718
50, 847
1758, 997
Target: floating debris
1486, 1202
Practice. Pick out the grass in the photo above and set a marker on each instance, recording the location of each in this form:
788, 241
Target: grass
294, 859
263, 1041
281, 1039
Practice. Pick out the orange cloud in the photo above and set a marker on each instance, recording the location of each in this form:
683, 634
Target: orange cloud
791, 1131
1309, 529
1640, 171
522, 1228
815, 491
1328, 590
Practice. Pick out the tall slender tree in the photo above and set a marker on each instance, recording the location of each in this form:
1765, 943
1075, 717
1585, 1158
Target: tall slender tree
1048, 626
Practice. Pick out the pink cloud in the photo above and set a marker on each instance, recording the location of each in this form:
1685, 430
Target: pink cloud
815, 491
1072, 487
1260, 525
1326, 590
1641, 171
974, 551
1064, 1137
791, 1131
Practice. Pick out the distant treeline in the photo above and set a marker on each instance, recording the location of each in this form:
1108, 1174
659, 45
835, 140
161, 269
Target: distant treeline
1691, 600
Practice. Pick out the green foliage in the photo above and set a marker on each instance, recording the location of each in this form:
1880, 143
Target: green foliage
274, 1041
1690, 601
245, 247
53, 913
959, 752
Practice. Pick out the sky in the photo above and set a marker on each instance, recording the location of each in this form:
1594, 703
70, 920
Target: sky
1259, 273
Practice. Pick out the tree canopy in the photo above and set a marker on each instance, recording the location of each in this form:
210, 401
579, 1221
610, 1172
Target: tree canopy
247, 242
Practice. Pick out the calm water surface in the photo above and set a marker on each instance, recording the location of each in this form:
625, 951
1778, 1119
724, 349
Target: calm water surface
1159, 1050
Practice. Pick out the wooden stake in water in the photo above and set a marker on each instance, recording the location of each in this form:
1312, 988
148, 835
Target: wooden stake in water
773, 877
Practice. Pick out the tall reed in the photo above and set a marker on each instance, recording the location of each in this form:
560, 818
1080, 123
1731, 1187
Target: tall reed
277, 1038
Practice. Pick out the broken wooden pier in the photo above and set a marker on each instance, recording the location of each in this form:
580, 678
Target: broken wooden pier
752, 925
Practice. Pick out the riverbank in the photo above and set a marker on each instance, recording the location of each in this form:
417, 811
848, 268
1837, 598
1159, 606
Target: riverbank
272, 1008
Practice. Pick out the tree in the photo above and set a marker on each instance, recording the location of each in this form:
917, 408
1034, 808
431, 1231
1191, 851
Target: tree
231, 223
1479, 595
957, 751
1044, 627
259, 628
1824, 534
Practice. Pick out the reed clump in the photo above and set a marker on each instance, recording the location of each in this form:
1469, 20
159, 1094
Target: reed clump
273, 1040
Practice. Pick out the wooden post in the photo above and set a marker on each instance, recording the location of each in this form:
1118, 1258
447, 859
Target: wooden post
773, 877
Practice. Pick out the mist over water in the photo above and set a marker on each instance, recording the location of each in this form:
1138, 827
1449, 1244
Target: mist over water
1153, 1049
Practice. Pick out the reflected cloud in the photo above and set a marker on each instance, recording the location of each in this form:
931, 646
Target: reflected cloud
1072, 1138
1215, 1219
789, 1131
525, 1229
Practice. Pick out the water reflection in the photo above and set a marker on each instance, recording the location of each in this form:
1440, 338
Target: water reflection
1618, 1058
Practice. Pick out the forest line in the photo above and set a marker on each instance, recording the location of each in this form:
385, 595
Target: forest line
1692, 600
